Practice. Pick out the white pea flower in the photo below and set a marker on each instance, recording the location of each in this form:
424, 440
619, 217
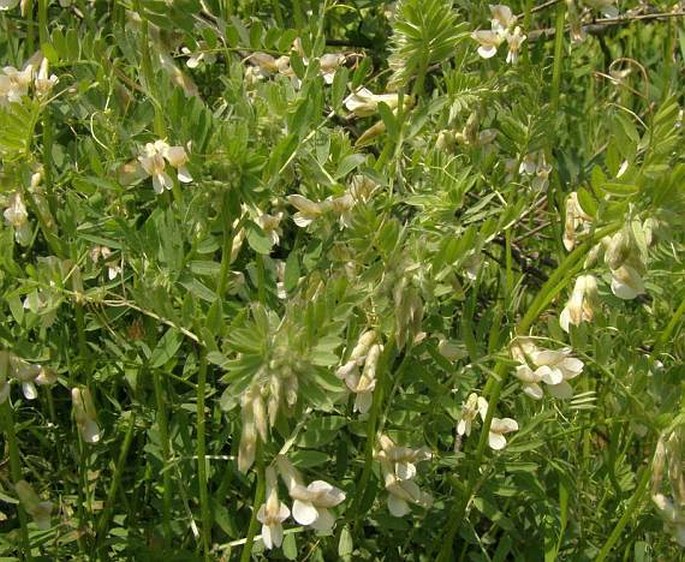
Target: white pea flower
272, 513
85, 414
362, 102
154, 159
554, 368
14, 84
44, 83
26, 374
358, 355
402, 493
514, 39
502, 28
489, 41
498, 429
626, 282
363, 385
401, 461
579, 307
308, 210
195, 58
17, 217
312, 503
473, 406
575, 218
154, 165
329, 64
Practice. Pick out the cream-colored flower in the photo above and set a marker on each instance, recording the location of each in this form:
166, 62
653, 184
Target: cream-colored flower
362, 102
329, 64
502, 18
43, 82
580, 307
363, 385
498, 429
554, 368
308, 210
154, 159
402, 493
626, 282
514, 40
489, 41
254, 418
312, 503
401, 461
473, 406
197, 57
14, 84
272, 513
85, 414
576, 218
17, 217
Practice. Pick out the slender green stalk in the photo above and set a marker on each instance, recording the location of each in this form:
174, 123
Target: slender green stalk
15, 471
558, 54
43, 21
629, 512
260, 492
163, 427
106, 515
665, 336
201, 456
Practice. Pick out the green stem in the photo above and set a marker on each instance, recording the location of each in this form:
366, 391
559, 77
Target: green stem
15, 470
246, 554
163, 427
201, 460
558, 54
106, 515
43, 34
630, 512
665, 336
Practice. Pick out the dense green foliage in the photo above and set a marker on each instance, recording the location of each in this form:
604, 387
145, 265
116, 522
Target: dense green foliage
326, 255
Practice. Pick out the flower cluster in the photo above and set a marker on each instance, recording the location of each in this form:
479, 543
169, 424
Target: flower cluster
23, 372
312, 503
502, 28
263, 65
365, 355
580, 307
15, 84
154, 159
308, 211
535, 165
398, 465
552, 367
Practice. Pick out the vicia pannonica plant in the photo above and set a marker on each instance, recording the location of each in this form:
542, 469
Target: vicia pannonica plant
342, 280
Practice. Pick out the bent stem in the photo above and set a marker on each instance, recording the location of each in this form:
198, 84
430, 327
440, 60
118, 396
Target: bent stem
15, 470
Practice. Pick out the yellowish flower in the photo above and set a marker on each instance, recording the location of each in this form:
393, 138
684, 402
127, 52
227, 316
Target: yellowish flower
579, 307
272, 513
